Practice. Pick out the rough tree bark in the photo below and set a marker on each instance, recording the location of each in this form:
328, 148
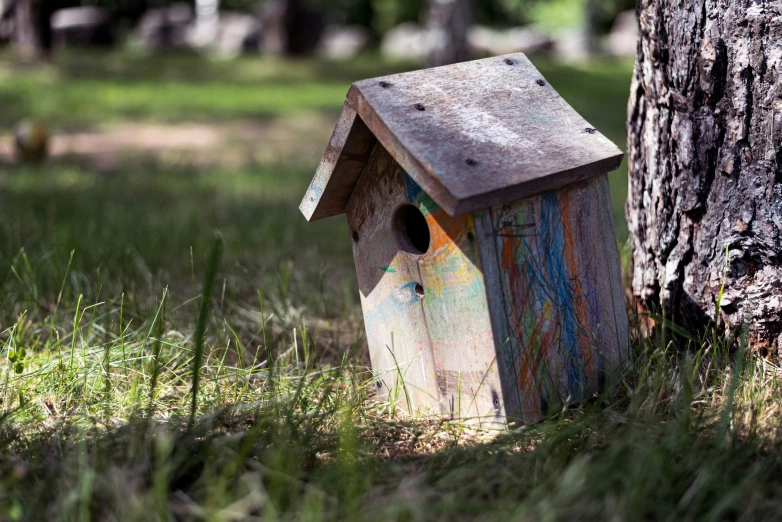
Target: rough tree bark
704, 134
448, 22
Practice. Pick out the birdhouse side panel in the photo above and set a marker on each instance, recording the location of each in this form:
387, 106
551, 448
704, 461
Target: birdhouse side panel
506, 353
561, 299
394, 318
457, 317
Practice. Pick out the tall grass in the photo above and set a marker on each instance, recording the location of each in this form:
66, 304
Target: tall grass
99, 424
203, 315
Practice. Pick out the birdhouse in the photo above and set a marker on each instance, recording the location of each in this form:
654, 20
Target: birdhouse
480, 218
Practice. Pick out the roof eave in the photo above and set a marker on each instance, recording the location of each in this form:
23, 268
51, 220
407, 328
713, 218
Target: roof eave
538, 186
422, 175
348, 151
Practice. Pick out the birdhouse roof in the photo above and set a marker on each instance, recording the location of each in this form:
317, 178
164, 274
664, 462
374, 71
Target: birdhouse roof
472, 135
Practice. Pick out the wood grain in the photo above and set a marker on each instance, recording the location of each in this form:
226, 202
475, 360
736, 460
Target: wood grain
482, 133
399, 346
346, 155
506, 352
442, 340
472, 135
457, 317
560, 290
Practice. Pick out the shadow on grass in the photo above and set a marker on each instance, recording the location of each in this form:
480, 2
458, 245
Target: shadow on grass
318, 452
297, 437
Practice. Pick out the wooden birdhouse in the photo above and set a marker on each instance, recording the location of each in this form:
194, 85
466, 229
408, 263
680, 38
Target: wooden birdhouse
480, 218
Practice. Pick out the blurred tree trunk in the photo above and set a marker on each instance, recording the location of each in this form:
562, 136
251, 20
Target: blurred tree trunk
705, 159
32, 29
207, 13
291, 27
304, 26
207, 19
591, 14
448, 22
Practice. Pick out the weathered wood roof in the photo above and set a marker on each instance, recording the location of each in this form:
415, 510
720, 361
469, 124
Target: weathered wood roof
472, 135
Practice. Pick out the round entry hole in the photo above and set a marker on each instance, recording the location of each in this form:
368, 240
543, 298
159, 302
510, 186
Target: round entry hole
412, 231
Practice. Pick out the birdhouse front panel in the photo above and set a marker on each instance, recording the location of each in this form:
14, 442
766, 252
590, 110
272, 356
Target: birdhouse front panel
424, 301
483, 239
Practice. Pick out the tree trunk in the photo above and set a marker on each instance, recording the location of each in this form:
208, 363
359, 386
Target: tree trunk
32, 30
591, 13
291, 27
448, 22
704, 133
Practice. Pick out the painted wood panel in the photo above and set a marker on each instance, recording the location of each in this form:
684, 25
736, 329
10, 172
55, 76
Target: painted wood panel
442, 336
560, 295
394, 319
457, 317
506, 352
511, 311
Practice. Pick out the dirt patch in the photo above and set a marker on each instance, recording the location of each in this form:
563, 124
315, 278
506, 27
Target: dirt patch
298, 139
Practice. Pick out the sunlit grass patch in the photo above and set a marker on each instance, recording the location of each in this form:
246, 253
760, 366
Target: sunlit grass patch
82, 89
90, 429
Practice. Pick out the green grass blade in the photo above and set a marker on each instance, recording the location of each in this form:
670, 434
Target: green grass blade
203, 315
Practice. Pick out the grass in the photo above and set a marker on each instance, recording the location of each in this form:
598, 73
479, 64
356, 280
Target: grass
96, 90
113, 299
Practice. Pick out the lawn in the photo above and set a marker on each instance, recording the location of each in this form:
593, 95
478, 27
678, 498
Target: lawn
132, 246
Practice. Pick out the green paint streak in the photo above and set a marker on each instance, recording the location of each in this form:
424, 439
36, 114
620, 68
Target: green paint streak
426, 204
388, 269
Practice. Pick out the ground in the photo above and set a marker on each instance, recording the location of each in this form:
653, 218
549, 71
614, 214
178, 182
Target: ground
174, 176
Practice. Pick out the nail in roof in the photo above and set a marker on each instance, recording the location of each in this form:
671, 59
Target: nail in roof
472, 135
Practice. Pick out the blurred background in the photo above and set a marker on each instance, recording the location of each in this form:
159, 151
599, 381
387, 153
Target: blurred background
130, 129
